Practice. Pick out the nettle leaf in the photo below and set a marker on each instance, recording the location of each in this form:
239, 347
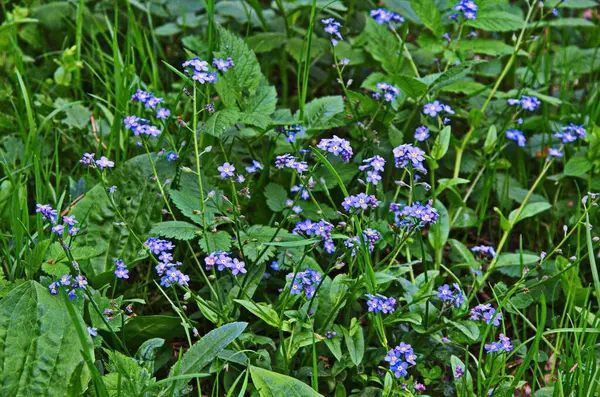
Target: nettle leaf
178, 230
413, 87
212, 242
205, 351
324, 113
258, 108
127, 377
488, 47
383, 46
496, 21
221, 121
136, 198
40, 352
439, 80
254, 238
276, 197
244, 78
429, 14
530, 209
57, 263
272, 384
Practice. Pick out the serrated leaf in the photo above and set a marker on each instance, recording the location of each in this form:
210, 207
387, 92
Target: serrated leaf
413, 87
383, 46
439, 80
429, 14
276, 197
488, 47
324, 113
206, 350
218, 241
257, 108
39, 346
254, 239
221, 121
496, 21
178, 230
272, 384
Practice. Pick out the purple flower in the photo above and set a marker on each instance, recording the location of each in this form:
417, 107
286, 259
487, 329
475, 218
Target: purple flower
486, 313
459, 372
254, 167
223, 64
421, 133
87, 159
226, 170
54, 287
485, 249
121, 271
517, 136
48, 213
163, 113
432, 108
468, 9
104, 163
238, 267
408, 154
332, 27
383, 16
65, 280
92, 331
554, 152
337, 146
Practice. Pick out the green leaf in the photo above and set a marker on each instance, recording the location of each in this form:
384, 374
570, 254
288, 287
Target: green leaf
442, 142
258, 108
578, 166
521, 300
464, 382
245, 77
574, 4
383, 46
463, 252
178, 230
488, 47
510, 263
324, 113
206, 350
276, 197
217, 241
439, 80
272, 384
40, 352
429, 14
468, 328
266, 41
530, 209
566, 22
490, 140
262, 311
496, 21
413, 87
138, 329
254, 238
355, 344
221, 121
136, 198
439, 232
444, 184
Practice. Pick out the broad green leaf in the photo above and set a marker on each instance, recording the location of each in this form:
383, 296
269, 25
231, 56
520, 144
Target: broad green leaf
439, 80
262, 311
467, 87
139, 329
521, 300
272, 384
496, 21
136, 198
574, 4
383, 46
510, 263
464, 383
206, 350
256, 109
444, 184
127, 377
221, 121
439, 232
413, 87
578, 166
253, 240
355, 344
567, 22
178, 230
40, 352
488, 47
215, 241
266, 41
429, 14
245, 77
324, 113
276, 197
442, 142
530, 209
468, 328
463, 252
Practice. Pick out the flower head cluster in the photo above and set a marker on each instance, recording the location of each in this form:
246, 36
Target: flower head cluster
503, 345
400, 358
289, 161
320, 229
485, 312
67, 282
149, 100
383, 16
102, 163
140, 126
223, 64
200, 71
517, 136
166, 267
360, 202
352, 243
390, 92
372, 236
433, 108
337, 146
333, 28
408, 154
50, 214
121, 270
223, 261
421, 133
304, 282
373, 166
455, 296
571, 133
415, 215
485, 249
529, 103
468, 9
380, 304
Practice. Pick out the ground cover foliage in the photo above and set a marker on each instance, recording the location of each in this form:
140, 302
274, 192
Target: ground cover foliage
299, 198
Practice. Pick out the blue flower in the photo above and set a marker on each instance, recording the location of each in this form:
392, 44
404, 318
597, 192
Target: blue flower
163, 113
421, 133
254, 167
223, 64
104, 163
92, 331
289, 161
121, 271
554, 152
48, 213
226, 170
337, 146
486, 313
485, 249
383, 16
468, 9
517, 136
408, 154
333, 28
